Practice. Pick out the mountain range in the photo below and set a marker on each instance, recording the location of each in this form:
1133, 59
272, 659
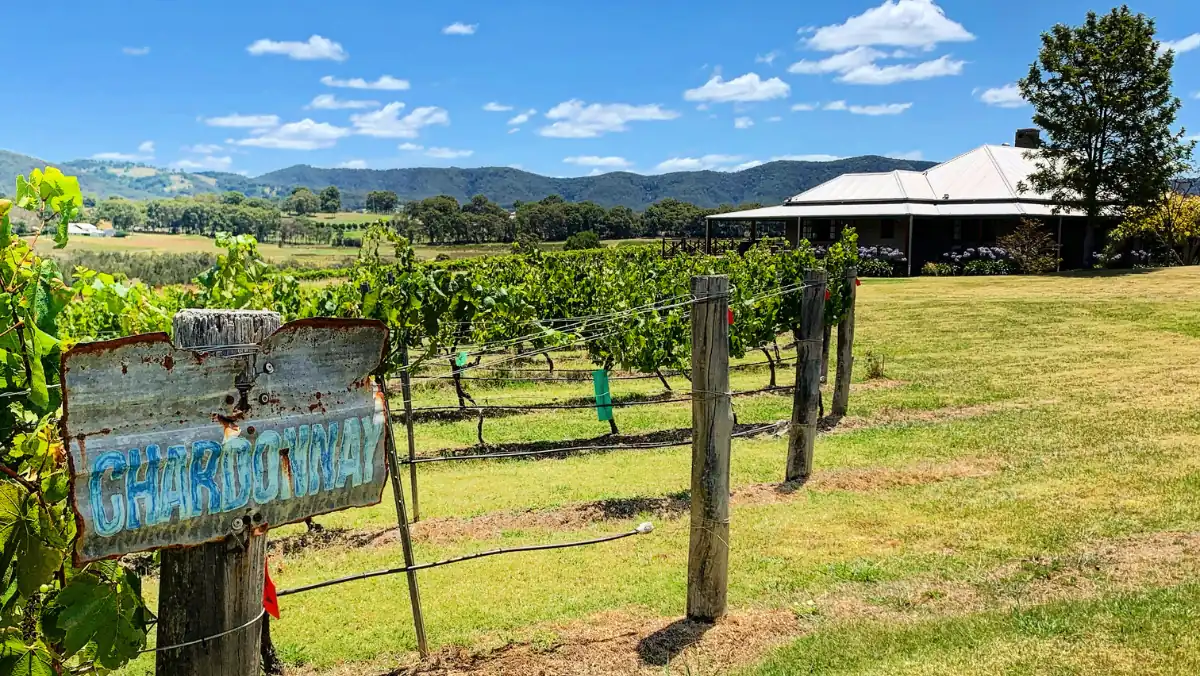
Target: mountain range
769, 183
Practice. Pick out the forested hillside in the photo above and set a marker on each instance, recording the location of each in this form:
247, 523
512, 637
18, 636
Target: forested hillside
769, 183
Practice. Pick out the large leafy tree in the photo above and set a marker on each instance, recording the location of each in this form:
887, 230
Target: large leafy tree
1102, 93
331, 199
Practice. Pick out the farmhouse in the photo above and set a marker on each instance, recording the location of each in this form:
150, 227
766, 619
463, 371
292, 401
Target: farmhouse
965, 202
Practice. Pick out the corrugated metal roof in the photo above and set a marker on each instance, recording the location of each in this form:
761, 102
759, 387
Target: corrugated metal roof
981, 182
985, 173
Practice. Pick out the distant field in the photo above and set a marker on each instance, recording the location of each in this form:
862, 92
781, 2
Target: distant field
347, 217
322, 256
301, 254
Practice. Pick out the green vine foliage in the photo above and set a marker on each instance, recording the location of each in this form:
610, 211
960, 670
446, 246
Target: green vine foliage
842, 254
54, 617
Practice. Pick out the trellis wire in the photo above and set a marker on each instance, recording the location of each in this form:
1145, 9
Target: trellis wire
576, 449
640, 530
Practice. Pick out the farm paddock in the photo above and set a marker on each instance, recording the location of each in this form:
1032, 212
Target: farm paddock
1017, 493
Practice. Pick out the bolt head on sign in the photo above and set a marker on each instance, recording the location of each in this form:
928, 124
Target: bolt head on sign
172, 447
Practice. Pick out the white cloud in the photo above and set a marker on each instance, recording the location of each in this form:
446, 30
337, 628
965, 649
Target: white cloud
202, 148
748, 87
493, 107
459, 28
878, 109
331, 102
146, 147
448, 153
353, 164
206, 163
410, 147
1008, 96
747, 165
1181, 45
577, 119
698, 163
881, 109
387, 123
910, 155
742, 123
514, 130
303, 135
522, 118
803, 107
597, 161
243, 121
385, 82
898, 23
769, 57
315, 49
805, 158
135, 51
873, 74
838, 63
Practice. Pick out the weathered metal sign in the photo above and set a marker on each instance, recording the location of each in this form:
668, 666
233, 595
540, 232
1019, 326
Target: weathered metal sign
171, 447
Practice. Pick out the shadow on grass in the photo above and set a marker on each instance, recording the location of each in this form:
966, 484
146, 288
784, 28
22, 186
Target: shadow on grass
448, 414
663, 645
604, 443
1106, 272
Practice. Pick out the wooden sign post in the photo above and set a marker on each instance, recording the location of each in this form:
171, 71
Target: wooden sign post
712, 427
802, 434
845, 347
199, 451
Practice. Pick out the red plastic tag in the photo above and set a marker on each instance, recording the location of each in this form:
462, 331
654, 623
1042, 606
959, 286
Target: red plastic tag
270, 601
827, 294
857, 281
730, 316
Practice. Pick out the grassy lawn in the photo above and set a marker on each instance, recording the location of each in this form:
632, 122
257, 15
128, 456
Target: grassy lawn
1017, 496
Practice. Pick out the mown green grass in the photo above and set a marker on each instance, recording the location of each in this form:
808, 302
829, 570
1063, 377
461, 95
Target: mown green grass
1149, 632
1072, 399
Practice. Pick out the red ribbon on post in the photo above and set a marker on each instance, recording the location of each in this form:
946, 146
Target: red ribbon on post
270, 601
730, 316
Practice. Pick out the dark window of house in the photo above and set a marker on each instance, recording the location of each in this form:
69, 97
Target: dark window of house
887, 228
833, 231
987, 232
957, 231
808, 231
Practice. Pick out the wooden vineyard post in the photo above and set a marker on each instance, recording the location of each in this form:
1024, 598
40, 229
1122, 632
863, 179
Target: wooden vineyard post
414, 592
802, 433
217, 586
712, 425
845, 347
406, 392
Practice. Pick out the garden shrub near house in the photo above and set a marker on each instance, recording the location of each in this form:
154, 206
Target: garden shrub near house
933, 269
1032, 249
982, 260
880, 261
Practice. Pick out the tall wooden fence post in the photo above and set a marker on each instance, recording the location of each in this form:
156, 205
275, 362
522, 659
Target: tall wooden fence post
712, 425
216, 586
406, 392
807, 396
845, 347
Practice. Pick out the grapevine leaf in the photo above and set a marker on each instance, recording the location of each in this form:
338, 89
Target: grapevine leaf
19, 659
39, 396
21, 520
86, 605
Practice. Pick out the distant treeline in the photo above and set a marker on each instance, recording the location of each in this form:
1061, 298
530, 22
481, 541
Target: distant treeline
436, 220
442, 220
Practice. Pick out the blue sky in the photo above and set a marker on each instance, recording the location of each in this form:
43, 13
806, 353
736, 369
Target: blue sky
562, 89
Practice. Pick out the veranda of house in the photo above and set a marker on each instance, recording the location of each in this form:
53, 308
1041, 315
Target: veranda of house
966, 202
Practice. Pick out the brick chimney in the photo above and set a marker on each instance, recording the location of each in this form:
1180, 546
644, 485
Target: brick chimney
1028, 138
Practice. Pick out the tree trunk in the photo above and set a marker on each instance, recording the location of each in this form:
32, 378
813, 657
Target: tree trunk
770, 363
663, 380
